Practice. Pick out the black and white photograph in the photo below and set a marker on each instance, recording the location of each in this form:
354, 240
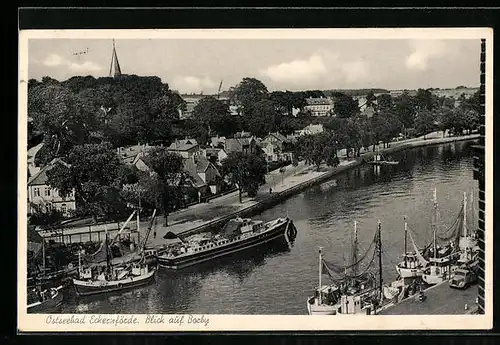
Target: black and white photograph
255, 179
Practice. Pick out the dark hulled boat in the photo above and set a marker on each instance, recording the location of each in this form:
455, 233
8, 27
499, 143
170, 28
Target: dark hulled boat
45, 301
238, 234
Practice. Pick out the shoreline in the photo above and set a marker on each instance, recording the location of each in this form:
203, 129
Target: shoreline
278, 197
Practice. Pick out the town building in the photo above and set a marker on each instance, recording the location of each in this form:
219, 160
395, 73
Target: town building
322, 106
43, 198
215, 155
245, 145
203, 174
310, 130
115, 69
217, 141
275, 146
129, 154
184, 147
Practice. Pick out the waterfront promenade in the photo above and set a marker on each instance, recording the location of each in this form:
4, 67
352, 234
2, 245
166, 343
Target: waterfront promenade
293, 180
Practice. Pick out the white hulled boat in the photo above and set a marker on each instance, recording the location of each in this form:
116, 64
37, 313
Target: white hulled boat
353, 294
412, 265
137, 270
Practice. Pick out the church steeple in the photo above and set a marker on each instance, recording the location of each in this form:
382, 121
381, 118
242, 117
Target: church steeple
114, 69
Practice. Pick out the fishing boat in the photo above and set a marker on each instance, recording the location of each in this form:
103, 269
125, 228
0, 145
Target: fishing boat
357, 293
96, 279
238, 234
379, 159
45, 301
40, 298
411, 266
467, 242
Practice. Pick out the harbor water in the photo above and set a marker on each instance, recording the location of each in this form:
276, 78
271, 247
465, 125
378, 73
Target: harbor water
277, 280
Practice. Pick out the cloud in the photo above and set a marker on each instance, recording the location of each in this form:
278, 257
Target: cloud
356, 71
87, 66
297, 70
423, 52
54, 60
191, 84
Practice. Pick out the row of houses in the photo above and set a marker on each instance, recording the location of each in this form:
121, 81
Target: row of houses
202, 164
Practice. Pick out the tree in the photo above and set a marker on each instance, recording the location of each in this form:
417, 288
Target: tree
262, 119
92, 171
424, 122
165, 187
370, 98
425, 99
405, 108
245, 171
345, 106
384, 101
249, 92
319, 148
214, 115
60, 116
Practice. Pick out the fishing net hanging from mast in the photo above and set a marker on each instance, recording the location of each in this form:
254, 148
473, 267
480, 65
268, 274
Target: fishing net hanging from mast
339, 273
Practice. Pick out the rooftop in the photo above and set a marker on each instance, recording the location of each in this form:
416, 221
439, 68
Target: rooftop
40, 178
319, 101
183, 145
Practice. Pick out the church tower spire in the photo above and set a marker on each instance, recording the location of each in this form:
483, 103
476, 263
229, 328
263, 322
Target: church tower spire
114, 68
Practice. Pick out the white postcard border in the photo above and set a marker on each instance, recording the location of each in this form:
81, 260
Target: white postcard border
46, 323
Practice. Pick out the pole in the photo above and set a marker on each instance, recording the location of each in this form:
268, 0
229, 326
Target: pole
43, 255
138, 216
380, 258
465, 215
406, 235
355, 249
320, 266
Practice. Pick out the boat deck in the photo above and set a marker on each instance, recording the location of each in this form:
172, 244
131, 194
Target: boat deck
441, 300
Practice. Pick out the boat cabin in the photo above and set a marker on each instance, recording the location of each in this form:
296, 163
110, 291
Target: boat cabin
410, 261
238, 226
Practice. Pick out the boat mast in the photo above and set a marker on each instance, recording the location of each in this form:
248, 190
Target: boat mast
406, 244
464, 226
435, 221
380, 259
320, 266
355, 250
108, 263
43, 257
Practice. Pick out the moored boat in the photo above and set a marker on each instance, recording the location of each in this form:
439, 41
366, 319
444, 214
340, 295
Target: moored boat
117, 279
45, 301
96, 279
238, 234
356, 293
411, 266
379, 159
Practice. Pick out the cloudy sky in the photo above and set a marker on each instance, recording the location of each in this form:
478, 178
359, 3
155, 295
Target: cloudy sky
194, 65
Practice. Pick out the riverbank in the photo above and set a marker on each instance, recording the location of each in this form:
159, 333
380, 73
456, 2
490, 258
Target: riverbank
209, 217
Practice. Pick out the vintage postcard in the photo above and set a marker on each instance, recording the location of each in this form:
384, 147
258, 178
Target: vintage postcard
255, 180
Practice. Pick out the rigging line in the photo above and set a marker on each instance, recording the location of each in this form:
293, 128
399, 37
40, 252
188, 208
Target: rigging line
359, 260
457, 219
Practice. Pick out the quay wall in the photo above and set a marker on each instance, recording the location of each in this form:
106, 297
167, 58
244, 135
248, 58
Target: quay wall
278, 197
